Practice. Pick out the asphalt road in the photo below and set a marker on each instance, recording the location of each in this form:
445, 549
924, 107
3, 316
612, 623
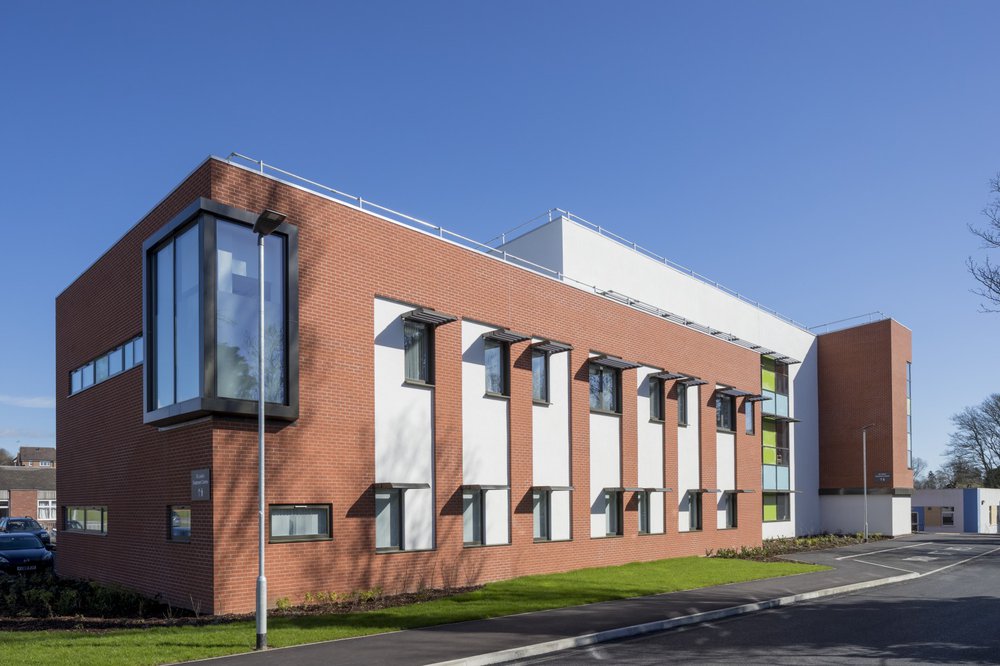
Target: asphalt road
951, 615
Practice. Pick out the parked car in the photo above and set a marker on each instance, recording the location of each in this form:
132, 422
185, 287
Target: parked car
25, 524
23, 553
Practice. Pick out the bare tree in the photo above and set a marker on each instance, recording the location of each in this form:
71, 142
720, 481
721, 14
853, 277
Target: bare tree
919, 468
988, 274
6, 457
974, 446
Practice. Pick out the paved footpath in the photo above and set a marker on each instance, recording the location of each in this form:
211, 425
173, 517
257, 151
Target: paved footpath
519, 636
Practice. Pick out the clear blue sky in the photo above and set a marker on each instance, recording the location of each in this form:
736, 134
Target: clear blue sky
821, 158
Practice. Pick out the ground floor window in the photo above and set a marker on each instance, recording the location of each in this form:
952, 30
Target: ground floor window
389, 519
777, 507
296, 522
4, 503
643, 498
92, 519
541, 508
948, 516
472, 517
612, 512
179, 523
729, 503
694, 510
46, 505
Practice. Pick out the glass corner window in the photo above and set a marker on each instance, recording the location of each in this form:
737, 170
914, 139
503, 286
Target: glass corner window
202, 300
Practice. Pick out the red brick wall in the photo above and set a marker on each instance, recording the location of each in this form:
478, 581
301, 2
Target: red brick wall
346, 259
862, 380
107, 456
24, 503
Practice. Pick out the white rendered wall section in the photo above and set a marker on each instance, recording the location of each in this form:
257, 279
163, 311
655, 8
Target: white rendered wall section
688, 456
725, 473
650, 454
605, 466
550, 444
485, 435
844, 514
404, 427
988, 497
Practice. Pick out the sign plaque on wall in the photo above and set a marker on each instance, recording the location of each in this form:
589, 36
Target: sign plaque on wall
201, 484
882, 477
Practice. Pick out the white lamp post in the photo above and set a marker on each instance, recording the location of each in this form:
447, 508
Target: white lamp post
864, 471
266, 223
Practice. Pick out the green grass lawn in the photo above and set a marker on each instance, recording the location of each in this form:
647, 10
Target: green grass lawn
530, 593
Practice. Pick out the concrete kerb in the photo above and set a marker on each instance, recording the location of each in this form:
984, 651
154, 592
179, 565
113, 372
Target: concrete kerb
537, 649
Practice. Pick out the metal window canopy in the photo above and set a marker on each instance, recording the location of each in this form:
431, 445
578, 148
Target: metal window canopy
781, 419
613, 362
552, 347
401, 486
485, 486
706, 490
667, 376
617, 489
756, 397
553, 488
506, 336
779, 358
691, 380
428, 316
734, 392
653, 490
743, 490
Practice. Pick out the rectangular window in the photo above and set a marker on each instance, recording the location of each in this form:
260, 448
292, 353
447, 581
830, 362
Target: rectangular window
4, 503
137, 350
389, 519
724, 412
612, 512
541, 506
129, 355
104, 367
749, 416
655, 399
46, 500
604, 388
495, 355
88, 375
417, 338
777, 507
729, 501
472, 517
299, 522
682, 404
644, 500
101, 369
539, 376
694, 511
163, 307
179, 523
948, 516
92, 519
76, 380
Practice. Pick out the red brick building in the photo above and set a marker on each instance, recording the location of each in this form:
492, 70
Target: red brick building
439, 413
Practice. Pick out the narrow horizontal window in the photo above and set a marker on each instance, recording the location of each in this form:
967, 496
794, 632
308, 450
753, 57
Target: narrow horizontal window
93, 519
300, 522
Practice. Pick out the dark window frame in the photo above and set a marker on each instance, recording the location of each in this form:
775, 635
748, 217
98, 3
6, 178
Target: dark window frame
682, 404
400, 535
732, 510
171, 510
725, 413
504, 348
479, 500
546, 392
103, 508
696, 513
427, 349
616, 408
749, 417
328, 536
617, 515
204, 212
782, 500
544, 499
656, 401
645, 505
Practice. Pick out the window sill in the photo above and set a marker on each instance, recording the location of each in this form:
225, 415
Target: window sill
418, 384
551, 540
648, 534
399, 551
609, 536
604, 412
723, 431
783, 520
483, 545
298, 539
682, 425
726, 529
656, 421
540, 403
496, 396
87, 532
692, 531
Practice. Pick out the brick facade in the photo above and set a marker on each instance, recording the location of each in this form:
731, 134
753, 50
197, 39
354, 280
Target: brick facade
347, 258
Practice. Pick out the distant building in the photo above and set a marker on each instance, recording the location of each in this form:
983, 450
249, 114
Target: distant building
36, 456
974, 510
28, 491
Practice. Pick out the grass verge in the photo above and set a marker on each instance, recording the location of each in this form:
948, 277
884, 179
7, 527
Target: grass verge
136, 647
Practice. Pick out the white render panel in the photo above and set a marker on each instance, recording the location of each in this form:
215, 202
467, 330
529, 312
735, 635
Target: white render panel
781, 530
484, 419
497, 527
550, 428
605, 465
650, 436
988, 497
656, 513
404, 426
688, 456
560, 515
725, 473
844, 514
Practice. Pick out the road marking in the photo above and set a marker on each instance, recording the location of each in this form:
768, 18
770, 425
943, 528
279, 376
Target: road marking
886, 566
884, 550
919, 558
968, 559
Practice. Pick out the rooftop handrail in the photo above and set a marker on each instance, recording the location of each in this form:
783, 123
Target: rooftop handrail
499, 252
876, 315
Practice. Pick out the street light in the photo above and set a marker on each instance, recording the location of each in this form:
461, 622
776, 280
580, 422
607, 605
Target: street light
864, 471
265, 225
